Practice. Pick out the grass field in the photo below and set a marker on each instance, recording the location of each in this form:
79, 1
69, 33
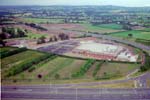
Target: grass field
141, 34
42, 20
89, 73
64, 67
31, 35
60, 65
66, 72
111, 26
148, 82
115, 69
103, 28
17, 59
128, 84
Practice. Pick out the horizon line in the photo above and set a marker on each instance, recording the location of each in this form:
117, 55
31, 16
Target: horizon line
75, 5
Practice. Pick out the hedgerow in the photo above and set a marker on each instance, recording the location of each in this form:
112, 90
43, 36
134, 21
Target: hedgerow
25, 65
9, 53
84, 68
98, 66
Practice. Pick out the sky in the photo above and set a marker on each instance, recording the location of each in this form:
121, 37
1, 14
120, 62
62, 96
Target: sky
130, 3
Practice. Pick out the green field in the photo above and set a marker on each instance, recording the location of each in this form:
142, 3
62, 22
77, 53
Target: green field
115, 69
64, 67
31, 35
111, 26
103, 28
141, 34
60, 65
18, 59
42, 20
89, 73
69, 69
61, 68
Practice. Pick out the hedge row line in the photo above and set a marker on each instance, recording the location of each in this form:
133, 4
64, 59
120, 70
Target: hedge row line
24, 66
9, 53
32, 68
98, 66
84, 68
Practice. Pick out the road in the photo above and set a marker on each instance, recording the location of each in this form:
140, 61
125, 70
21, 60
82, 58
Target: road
76, 94
71, 92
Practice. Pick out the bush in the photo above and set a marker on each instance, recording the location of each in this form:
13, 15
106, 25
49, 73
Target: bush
31, 69
14, 80
57, 76
39, 76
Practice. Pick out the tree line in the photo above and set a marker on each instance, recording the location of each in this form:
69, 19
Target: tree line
10, 32
54, 38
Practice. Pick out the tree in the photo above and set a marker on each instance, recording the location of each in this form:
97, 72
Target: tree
39, 76
84, 35
63, 36
4, 29
26, 30
41, 40
57, 76
127, 27
21, 33
12, 32
66, 20
67, 37
50, 39
105, 73
130, 35
2, 42
55, 38
2, 37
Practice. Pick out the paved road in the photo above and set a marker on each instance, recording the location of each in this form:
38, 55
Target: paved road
78, 94
69, 92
